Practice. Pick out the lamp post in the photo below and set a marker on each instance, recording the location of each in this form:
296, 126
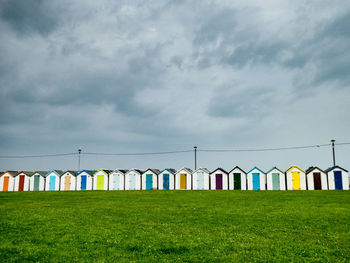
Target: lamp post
79, 152
333, 141
195, 157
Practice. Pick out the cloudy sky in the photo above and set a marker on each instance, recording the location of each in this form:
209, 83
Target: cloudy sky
147, 76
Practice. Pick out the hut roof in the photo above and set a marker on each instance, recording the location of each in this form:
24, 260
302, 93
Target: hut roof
71, 172
276, 169
170, 170
335, 167
12, 173
156, 171
28, 173
202, 169
295, 166
219, 169
236, 167
42, 173
310, 169
257, 169
188, 170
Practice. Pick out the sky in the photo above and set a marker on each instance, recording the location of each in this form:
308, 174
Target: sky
152, 76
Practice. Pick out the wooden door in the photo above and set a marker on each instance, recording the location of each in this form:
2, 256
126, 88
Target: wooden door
83, 182
36, 182
100, 182
317, 181
149, 181
67, 182
21, 183
200, 181
256, 181
116, 181
183, 182
237, 185
132, 180
52, 183
276, 181
296, 180
338, 180
6, 184
165, 181
218, 181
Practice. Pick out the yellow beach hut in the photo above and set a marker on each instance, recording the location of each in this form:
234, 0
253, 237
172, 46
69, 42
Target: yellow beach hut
296, 178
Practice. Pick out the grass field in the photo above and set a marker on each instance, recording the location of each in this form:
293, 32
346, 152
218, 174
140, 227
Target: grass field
179, 226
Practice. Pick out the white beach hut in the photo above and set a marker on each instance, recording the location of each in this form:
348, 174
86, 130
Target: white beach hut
337, 178
183, 179
68, 181
316, 179
237, 179
117, 180
37, 181
296, 178
101, 179
219, 179
276, 179
133, 179
22, 181
84, 180
256, 179
149, 179
7, 181
200, 179
166, 179
52, 180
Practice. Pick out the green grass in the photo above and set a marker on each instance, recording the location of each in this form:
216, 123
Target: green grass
182, 226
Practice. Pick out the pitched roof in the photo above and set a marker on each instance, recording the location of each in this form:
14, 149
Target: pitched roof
42, 173
295, 166
12, 173
257, 169
89, 172
202, 169
28, 173
335, 167
236, 167
119, 170
310, 169
188, 170
219, 169
71, 172
276, 169
103, 170
155, 171
58, 172
170, 170
136, 170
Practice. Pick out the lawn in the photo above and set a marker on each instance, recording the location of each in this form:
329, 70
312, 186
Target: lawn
183, 226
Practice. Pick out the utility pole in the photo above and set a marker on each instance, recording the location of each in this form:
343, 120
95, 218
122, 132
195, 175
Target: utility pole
79, 152
333, 141
195, 157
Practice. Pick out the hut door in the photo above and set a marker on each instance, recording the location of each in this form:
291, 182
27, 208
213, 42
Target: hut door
83, 182
317, 181
166, 181
237, 181
21, 183
52, 183
200, 181
116, 181
276, 181
132, 182
6, 184
296, 180
183, 182
36, 182
338, 180
256, 181
218, 181
67, 183
149, 181
100, 182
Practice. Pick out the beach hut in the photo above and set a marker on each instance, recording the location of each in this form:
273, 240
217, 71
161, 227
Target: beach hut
256, 179
296, 178
149, 179
68, 181
117, 179
133, 179
37, 181
84, 180
337, 178
22, 181
200, 179
52, 180
219, 179
316, 179
7, 181
101, 179
166, 179
237, 179
183, 179
276, 179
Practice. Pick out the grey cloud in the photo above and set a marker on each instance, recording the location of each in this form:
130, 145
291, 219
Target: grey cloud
29, 16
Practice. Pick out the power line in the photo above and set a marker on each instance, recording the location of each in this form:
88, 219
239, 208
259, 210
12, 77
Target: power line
173, 152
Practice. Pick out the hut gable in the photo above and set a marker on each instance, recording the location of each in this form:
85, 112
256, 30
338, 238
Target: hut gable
296, 178
337, 178
256, 179
84, 180
149, 179
316, 179
37, 181
7, 181
166, 179
237, 179
200, 178
22, 181
276, 179
218, 179
68, 181
183, 179
133, 179
100, 179
52, 181
117, 179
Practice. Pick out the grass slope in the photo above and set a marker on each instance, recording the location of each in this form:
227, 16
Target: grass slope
175, 226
